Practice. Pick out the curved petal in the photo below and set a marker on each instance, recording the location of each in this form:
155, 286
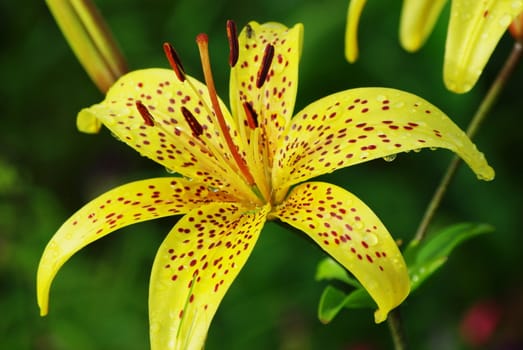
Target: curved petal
352, 234
351, 31
475, 29
273, 102
168, 138
125, 205
418, 18
193, 269
358, 125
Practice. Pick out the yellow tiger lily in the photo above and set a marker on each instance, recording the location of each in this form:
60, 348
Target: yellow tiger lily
474, 30
242, 167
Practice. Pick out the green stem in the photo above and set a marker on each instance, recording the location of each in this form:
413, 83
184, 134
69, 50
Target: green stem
483, 110
394, 319
396, 330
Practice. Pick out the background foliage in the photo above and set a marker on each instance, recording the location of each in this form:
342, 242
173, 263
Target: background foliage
99, 300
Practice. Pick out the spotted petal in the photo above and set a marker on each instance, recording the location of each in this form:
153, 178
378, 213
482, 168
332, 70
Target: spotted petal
474, 30
351, 233
273, 102
418, 18
351, 32
168, 139
193, 269
125, 205
358, 125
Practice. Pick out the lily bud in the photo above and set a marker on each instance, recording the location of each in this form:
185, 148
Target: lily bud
91, 40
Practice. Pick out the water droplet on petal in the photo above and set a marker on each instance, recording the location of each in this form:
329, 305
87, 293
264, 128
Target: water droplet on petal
170, 171
399, 104
390, 157
364, 155
213, 189
433, 148
505, 20
417, 150
359, 225
53, 250
397, 263
116, 136
371, 239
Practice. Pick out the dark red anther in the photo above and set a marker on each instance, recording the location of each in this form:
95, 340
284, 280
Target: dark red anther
144, 112
233, 42
252, 116
268, 55
174, 61
196, 127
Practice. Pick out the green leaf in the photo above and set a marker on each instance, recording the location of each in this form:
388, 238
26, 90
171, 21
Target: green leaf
329, 269
334, 300
423, 259
426, 257
419, 273
441, 244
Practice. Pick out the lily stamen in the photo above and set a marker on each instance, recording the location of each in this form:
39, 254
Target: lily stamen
203, 45
251, 115
232, 37
144, 112
268, 55
195, 126
174, 61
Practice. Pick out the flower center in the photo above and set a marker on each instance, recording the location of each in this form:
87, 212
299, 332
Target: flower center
203, 46
249, 158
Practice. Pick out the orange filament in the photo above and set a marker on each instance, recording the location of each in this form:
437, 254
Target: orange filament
203, 46
174, 61
144, 112
233, 43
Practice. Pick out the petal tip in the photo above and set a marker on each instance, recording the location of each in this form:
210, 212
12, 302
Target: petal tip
87, 122
43, 302
380, 316
487, 174
43, 311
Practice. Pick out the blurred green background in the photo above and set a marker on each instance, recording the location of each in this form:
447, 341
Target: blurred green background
99, 299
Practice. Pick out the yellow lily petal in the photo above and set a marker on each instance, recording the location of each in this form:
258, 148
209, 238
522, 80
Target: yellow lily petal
474, 30
125, 205
351, 233
273, 101
91, 40
168, 138
358, 125
351, 32
418, 18
193, 269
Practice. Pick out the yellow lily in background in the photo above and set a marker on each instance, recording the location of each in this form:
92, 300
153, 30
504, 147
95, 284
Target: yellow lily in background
474, 30
244, 167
